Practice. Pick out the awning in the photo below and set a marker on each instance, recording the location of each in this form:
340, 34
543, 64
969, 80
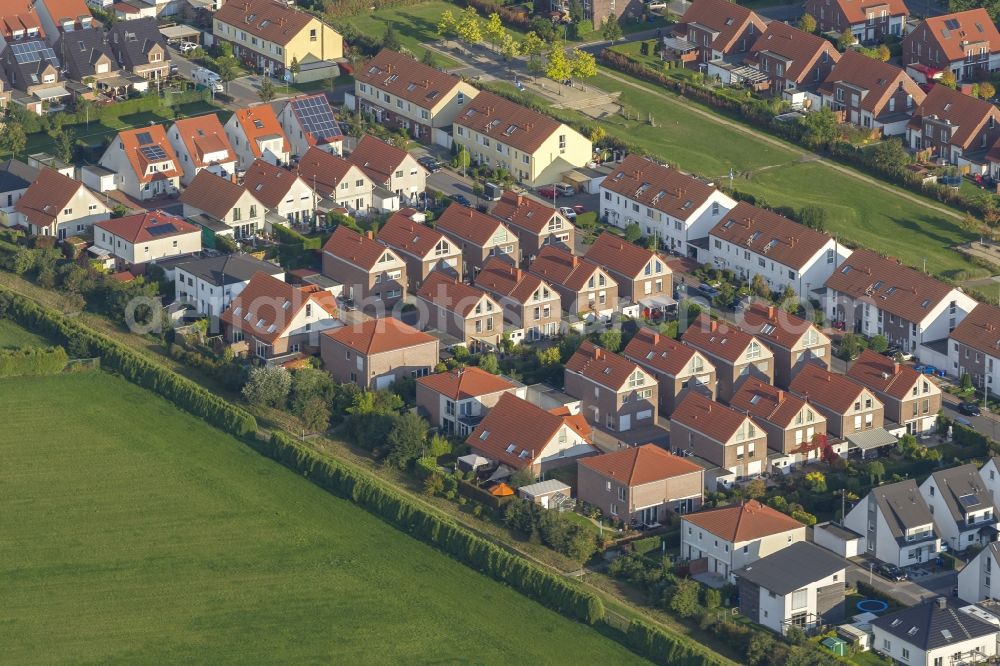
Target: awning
54, 92
473, 462
656, 302
871, 439
113, 82
679, 44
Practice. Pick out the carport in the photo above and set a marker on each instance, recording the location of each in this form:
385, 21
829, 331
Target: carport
870, 440
180, 33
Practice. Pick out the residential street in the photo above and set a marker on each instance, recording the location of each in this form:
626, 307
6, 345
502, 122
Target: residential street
909, 591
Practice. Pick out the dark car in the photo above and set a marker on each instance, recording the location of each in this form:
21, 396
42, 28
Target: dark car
461, 199
969, 409
707, 290
430, 163
890, 572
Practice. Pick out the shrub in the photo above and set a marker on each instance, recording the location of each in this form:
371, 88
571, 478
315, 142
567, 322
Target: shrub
28, 361
647, 545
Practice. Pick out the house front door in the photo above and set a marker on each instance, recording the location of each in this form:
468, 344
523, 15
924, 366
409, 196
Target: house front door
625, 422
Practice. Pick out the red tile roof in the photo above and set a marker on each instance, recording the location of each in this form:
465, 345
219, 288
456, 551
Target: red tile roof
271, 21
469, 224
718, 339
561, 267
800, 49
267, 306
856, 11
877, 80
269, 183
403, 234
377, 336
769, 234
743, 522
605, 368
526, 213
509, 123
213, 194
661, 352
973, 26
712, 419
822, 387
448, 293
134, 142
980, 330
68, 10
660, 187
402, 76
501, 278
325, 170
204, 135
769, 403
136, 228
622, 257
378, 159
883, 374
773, 324
19, 15
464, 383
314, 105
357, 249
260, 122
638, 465
46, 197
725, 18
967, 114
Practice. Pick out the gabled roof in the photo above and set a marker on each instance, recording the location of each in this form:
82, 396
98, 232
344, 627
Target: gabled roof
68, 10
324, 169
401, 233
771, 235
856, 11
47, 197
966, 114
769, 403
16, 175
748, 521
772, 324
660, 187
792, 568
357, 249
378, 159
448, 293
258, 123
148, 226
718, 339
884, 375
712, 419
133, 40
934, 624
203, 136
148, 145
620, 256
799, 49
889, 285
876, 81
27, 72
638, 465
726, 19
19, 15
605, 368
526, 213
499, 277
469, 224
561, 267
954, 32
80, 50
377, 336
402, 76
661, 352
271, 21
267, 306
269, 183
465, 383
501, 434
962, 490
830, 389
227, 268
902, 506
980, 330
213, 194
315, 117
510, 123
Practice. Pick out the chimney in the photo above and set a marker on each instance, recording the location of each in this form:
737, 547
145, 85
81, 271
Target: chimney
942, 602
781, 396
896, 368
597, 353
520, 200
369, 235
714, 326
770, 312
656, 338
575, 260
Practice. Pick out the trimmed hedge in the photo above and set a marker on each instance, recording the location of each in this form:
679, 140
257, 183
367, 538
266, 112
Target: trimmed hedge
458, 542
28, 361
478, 494
134, 367
660, 647
647, 545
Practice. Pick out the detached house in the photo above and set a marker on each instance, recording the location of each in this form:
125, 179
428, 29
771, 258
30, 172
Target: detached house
140, 48
793, 340
643, 277
401, 92
336, 179
528, 302
55, 205
553, 440
676, 208
871, 94
221, 205
877, 296
793, 60
390, 167
209, 284
613, 391
868, 20
586, 289
728, 538
974, 347
897, 524
964, 42
533, 147
457, 400
536, 224
372, 274
422, 248
462, 311
201, 144
752, 241
15, 178
954, 127
975, 580
963, 510
33, 68
990, 474
61, 17
86, 56
309, 122
145, 237
718, 29
849, 407
144, 163
19, 21
724, 436
934, 633
283, 193
911, 399
255, 133
735, 353
273, 320
641, 484
478, 235
675, 366
375, 353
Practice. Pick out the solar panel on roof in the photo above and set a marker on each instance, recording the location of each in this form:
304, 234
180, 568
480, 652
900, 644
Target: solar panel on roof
153, 153
968, 500
161, 229
28, 52
316, 117
144, 138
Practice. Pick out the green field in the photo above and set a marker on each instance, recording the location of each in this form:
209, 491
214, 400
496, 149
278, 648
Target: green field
12, 335
134, 533
416, 25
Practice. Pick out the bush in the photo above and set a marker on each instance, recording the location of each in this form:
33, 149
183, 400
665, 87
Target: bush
663, 648
647, 545
29, 361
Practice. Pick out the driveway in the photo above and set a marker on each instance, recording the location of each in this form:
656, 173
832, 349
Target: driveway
984, 425
925, 583
608, 440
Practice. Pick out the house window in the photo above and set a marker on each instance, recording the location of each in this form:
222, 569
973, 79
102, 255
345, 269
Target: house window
799, 599
312, 35
621, 493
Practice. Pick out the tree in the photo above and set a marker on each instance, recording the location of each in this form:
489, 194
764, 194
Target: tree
493, 30
948, 79
268, 386
725, 297
438, 446
406, 440
489, 363
816, 482
509, 48
807, 23
295, 68
759, 286
64, 140
986, 90
522, 477
611, 29
966, 381
883, 53
820, 126
315, 415
756, 489
846, 39
875, 471
851, 345
891, 156
633, 232
685, 599
582, 65
447, 25
759, 649
13, 137
468, 29
390, 40
533, 46
813, 217
428, 58
266, 92
878, 344
229, 69
713, 598
462, 159
611, 339
310, 384
558, 67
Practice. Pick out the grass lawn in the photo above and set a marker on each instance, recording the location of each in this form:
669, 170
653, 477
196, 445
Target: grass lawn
12, 335
416, 25
135, 533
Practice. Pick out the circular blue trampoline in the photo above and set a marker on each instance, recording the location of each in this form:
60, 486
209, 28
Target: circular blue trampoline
872, 606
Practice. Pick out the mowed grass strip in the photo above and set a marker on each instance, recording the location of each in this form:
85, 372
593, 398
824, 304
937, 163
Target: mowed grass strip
131, 532
12, 335
415, 25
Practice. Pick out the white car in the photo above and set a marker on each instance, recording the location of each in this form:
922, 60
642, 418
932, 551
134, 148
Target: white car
565, 190
186, 47
568, 213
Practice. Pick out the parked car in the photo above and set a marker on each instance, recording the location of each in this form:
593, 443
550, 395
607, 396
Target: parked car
969, 408
890, 572
186, 47
568, 213
579, 209
429, 163
896, 352
547, 191
565, 190
462, 200
707, 290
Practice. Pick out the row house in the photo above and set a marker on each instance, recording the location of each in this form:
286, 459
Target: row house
478, 235
462, 311
56, 205
19, 22
423, 249
140, 48
954, 127
399, 91
753, 241
372, 274
676, 367
795, 429
146, 237
340, 182
63, 17
974, 347
868, 21
256, 134
849, 407
735, 353
613, 392
896, 523
876, 296
86, 57
309, 122
457, 400
15, 178
375, 353
724, 436
936, 632
209, 284
33, 68
528, 302
963, 510
536, 224
221, 205
533, 147
963, 42
144, 163
555, 439
390, 167
793, 60
643, 276
283, 192
586, 289
871, 94
201, 144
793, 340
676, 208
720, 29
910, 398
644, 485
272, 319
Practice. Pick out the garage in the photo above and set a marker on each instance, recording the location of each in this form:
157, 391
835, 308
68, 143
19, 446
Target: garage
384, 382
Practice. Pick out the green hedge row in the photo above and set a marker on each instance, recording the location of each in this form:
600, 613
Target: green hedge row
386, 503
662, 648
28, 361
478, 494
647, 545
134, 367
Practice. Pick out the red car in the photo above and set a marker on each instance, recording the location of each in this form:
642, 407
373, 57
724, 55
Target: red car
547, 191
579, 210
